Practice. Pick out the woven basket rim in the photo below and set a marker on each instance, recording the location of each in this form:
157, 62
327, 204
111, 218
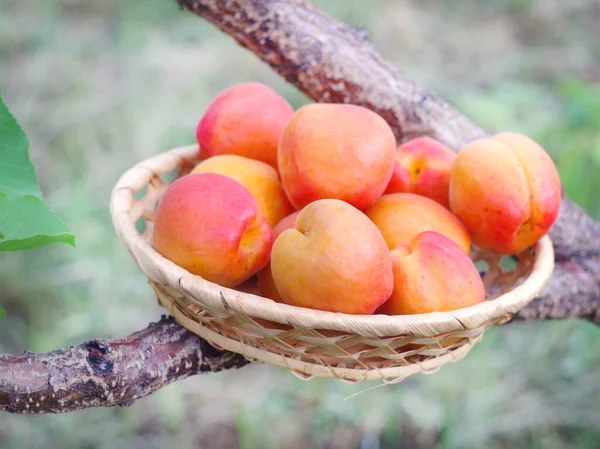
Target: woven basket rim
162, 270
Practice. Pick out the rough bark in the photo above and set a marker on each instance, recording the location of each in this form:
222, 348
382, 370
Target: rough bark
105, 373
330, 62
574, 290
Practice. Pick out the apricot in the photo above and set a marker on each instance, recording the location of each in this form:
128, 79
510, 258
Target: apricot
287, 223
338, 151
213, 227
266, 284
506, 190
423, 167
334, 259
258, 177
400, 217
245, 119
432, 274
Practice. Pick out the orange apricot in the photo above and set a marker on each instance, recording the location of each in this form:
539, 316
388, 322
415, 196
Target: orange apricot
338, 151
212, 226
245, 119
432, 274
402, 216
334, 259
506, 190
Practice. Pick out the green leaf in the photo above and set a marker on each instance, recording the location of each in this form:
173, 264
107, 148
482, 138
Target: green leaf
26, 221
2, 313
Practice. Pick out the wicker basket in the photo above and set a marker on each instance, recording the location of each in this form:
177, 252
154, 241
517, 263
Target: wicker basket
312, 342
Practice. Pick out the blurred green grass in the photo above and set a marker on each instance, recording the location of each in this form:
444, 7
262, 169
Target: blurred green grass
100, 85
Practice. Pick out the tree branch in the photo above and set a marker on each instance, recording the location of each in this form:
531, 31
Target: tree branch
334, 63
574, 290
330, 62
106, 373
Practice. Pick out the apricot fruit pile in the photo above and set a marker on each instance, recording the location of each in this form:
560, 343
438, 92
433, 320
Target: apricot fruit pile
326, 211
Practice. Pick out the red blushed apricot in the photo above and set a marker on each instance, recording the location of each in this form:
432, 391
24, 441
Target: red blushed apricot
267, 286
544, 187
506, 190
211, 225
432, 274
334, 259
402, 216
287, 223
245, 119
423, 167
337, 151
258, 177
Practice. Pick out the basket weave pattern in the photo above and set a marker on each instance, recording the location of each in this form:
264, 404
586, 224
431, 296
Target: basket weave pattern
311, 342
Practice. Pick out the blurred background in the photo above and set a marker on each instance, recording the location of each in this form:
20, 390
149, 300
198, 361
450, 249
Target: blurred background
101, 84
